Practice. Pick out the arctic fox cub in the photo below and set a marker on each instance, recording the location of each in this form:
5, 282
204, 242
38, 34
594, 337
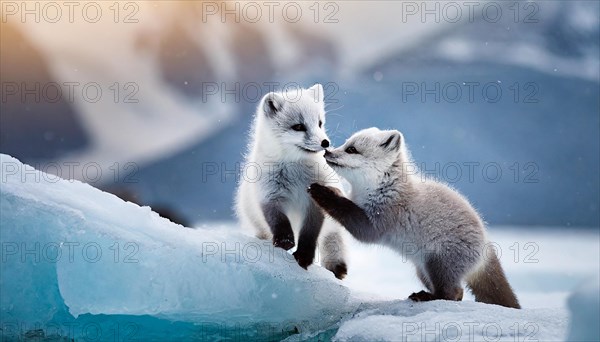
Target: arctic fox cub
425, 221
285, 156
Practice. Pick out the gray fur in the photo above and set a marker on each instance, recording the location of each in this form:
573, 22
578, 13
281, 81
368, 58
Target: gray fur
426, 221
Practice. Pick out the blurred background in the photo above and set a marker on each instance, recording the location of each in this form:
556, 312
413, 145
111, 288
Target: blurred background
153, 100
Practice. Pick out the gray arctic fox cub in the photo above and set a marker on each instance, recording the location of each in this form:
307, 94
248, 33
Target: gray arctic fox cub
285, 156
425, 221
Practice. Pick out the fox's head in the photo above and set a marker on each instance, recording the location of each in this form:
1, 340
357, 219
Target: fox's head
295, 121
367, 155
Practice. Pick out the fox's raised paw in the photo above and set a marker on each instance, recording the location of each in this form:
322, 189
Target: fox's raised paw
316, 187
320, 192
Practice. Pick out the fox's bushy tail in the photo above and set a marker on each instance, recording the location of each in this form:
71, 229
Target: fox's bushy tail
489, 284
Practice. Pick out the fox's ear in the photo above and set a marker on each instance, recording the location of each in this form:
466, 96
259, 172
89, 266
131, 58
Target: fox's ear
316, 92
272, 104
392, 141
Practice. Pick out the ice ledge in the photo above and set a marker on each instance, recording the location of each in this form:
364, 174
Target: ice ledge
67, 243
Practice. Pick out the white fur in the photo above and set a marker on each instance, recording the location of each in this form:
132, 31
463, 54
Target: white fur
274, 147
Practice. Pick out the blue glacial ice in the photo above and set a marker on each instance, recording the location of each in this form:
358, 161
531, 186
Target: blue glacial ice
75, 260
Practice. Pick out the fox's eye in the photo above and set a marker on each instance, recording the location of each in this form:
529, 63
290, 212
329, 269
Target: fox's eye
299, 128
320, 123
351, 150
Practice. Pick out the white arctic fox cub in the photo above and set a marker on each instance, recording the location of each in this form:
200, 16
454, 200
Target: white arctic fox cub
424, 220
285, 156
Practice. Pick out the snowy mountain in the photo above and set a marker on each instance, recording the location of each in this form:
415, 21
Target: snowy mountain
170, 123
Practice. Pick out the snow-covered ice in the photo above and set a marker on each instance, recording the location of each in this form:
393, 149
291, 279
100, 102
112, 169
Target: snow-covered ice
81, 263
544, 266
447, 321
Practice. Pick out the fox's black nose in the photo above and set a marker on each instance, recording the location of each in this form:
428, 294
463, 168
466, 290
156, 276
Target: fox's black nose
325, 143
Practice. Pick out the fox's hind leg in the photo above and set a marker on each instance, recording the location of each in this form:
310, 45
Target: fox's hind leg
332, 253
444, 281
424, 279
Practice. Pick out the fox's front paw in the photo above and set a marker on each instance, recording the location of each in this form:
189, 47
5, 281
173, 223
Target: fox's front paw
321, 193
304, 258
284, 241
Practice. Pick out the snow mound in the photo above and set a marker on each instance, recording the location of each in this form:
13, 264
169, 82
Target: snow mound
584, 304
452, 321
69, 249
